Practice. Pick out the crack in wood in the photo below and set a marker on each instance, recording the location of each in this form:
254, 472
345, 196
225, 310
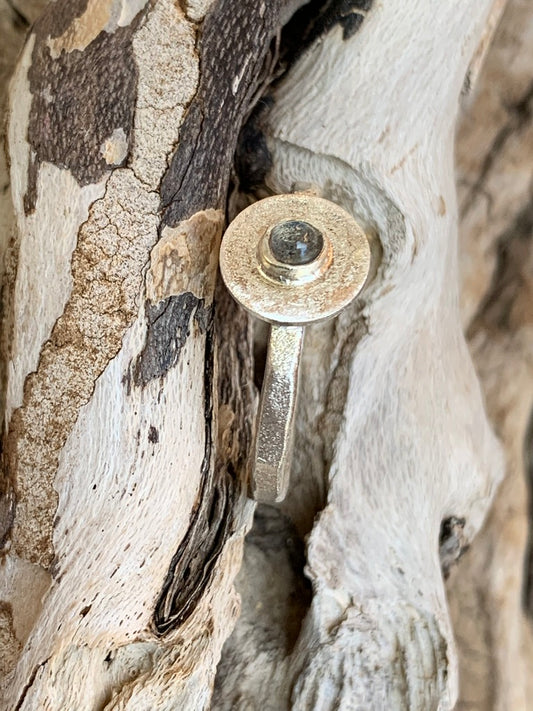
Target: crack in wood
453, 543
215, 517
30, 683
253, 159
193, 562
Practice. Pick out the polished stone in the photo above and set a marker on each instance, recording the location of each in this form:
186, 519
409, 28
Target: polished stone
295, 242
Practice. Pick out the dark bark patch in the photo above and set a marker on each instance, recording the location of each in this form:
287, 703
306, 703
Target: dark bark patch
235, 41
153, 435
452, 543
79, 98
316, 19
168, 328
253, 159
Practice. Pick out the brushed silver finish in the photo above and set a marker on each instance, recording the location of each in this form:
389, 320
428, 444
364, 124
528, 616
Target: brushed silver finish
293, 298
272, 451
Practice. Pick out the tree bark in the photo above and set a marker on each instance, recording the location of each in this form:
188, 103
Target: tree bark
136, 130
123, 491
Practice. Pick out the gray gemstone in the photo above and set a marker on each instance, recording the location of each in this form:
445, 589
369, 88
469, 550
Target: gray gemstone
295, 242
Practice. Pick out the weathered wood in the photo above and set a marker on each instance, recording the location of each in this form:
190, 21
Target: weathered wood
488, 590
13, 28
393, 448
123, 489
129, 402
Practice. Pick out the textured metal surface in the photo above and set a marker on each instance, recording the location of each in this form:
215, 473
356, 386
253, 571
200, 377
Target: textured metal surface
275, 424
289, 293
290, 300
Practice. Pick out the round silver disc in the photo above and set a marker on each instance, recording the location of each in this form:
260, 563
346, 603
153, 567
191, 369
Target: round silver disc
291, 300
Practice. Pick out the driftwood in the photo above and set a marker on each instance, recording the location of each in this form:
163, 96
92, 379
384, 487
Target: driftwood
136, 129
490, 591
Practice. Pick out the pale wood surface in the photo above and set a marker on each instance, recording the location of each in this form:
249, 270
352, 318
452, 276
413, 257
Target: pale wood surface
117, 584
110, 441
487, 591
393, 438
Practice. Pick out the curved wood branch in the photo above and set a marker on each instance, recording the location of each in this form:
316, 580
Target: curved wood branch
394, 453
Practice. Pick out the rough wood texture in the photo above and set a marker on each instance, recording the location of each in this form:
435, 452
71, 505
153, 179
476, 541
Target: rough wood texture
13, 28
489, 589
129, 402
123, 507
394, 458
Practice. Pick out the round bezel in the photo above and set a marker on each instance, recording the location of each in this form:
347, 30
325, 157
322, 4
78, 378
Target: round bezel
286, 294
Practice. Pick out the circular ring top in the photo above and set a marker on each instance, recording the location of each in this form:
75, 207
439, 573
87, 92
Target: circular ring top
294, 302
